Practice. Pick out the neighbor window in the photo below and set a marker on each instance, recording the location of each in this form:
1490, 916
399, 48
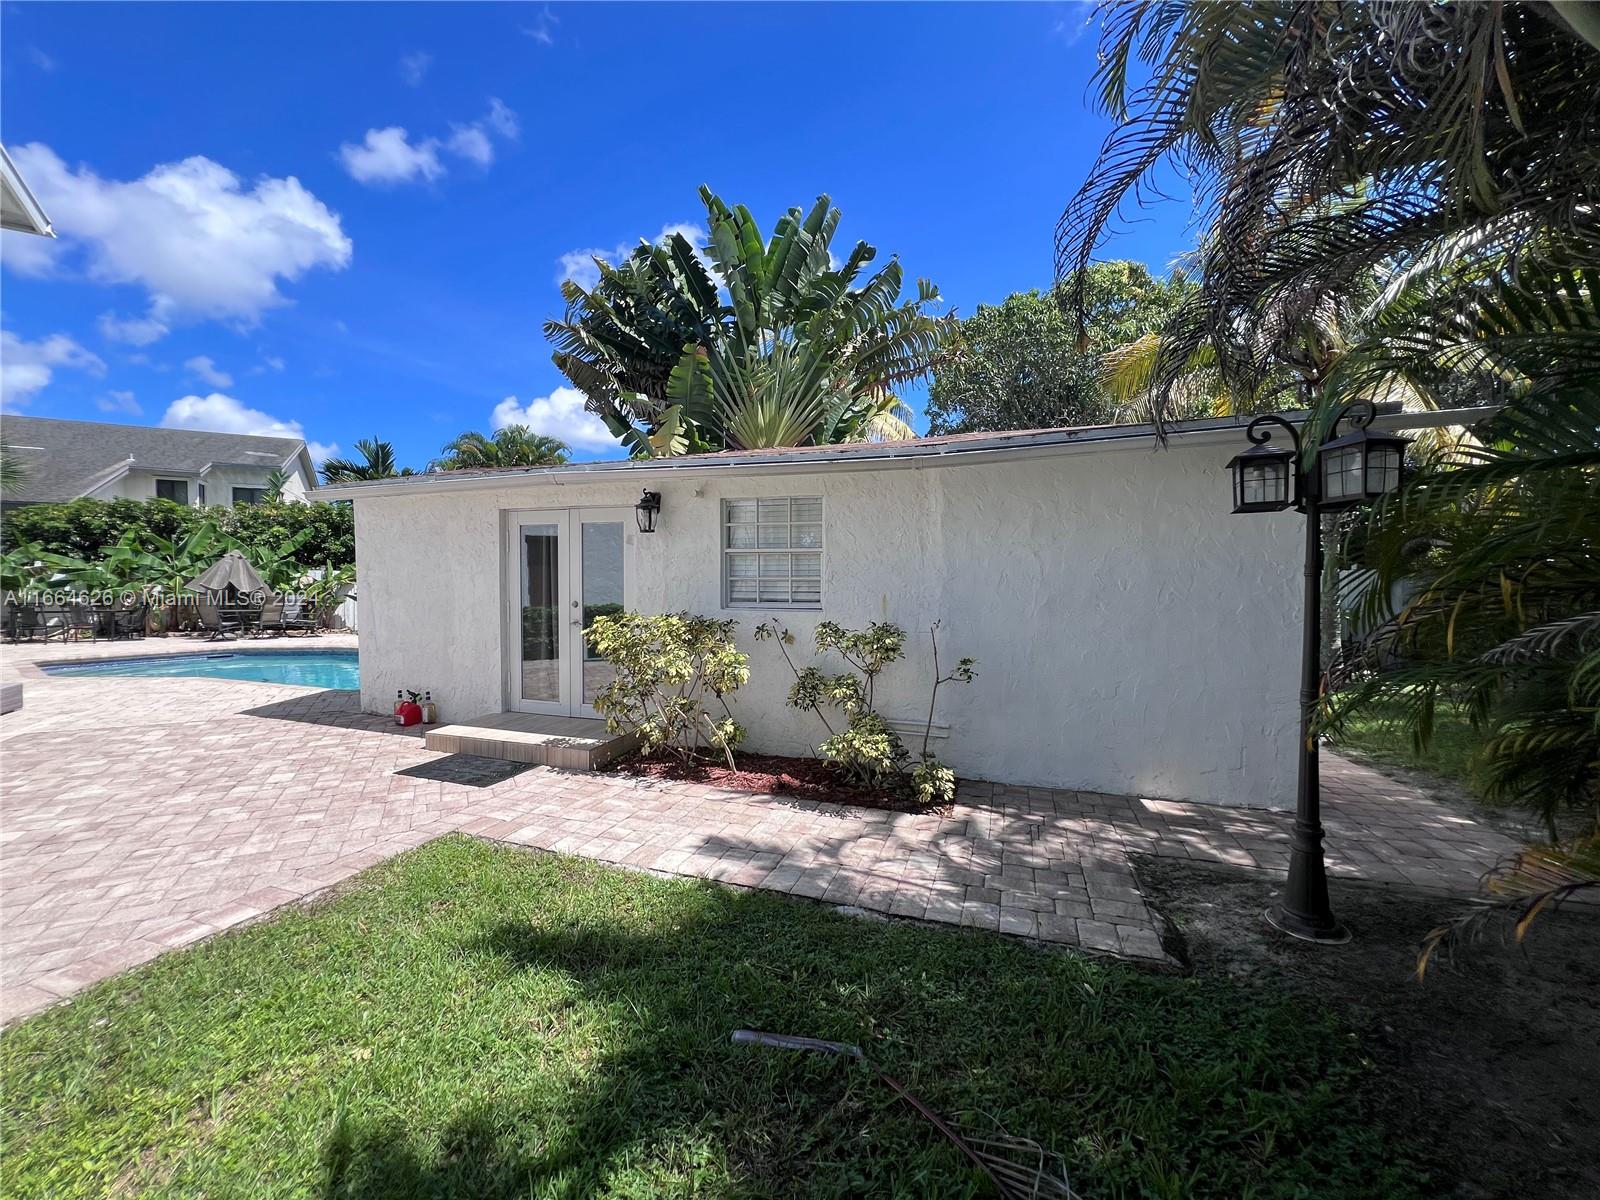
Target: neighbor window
176, 490
772, 552
248, 495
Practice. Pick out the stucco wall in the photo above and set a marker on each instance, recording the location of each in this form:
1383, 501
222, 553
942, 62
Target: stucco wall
1132, 635
220, 481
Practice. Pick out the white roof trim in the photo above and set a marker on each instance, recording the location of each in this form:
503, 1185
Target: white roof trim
19, 210
915, 455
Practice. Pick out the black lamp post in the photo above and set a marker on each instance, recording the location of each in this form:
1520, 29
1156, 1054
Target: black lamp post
1353, 469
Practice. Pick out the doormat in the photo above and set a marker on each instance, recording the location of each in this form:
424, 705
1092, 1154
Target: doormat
474, 770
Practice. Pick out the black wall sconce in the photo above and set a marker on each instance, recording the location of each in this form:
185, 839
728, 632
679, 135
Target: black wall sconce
648, 508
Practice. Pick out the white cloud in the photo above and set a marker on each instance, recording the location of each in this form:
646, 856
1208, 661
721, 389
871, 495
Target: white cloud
471, 142
118, 402
26, 368
503, 120
543, 30
560, 414
137, 331
414, 67
208, 372
219, 413
41, 60
387, 156
29, 254
578, 265
200, 244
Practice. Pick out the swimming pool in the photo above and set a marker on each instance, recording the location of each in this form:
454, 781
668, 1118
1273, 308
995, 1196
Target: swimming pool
308, 668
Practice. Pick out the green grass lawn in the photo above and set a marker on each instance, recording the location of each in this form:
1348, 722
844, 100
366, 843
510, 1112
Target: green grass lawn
474, 1021
1374, 732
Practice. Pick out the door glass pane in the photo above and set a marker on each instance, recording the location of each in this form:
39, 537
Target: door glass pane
541, 617
602, 594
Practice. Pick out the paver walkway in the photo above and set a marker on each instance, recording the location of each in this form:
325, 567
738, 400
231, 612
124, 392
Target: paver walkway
141, 814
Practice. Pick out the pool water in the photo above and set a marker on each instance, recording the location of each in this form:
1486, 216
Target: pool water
308, 668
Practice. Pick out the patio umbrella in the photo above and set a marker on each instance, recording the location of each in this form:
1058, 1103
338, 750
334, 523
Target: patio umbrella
232, 570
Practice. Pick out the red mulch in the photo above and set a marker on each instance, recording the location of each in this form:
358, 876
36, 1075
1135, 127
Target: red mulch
774, 774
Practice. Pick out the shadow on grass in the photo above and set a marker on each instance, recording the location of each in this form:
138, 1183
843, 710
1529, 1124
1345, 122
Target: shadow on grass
665, 1105
620, 995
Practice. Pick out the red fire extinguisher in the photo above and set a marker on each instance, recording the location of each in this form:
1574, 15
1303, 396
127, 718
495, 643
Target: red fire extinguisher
409, 712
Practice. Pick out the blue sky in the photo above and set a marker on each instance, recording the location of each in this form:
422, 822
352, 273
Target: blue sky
249, 241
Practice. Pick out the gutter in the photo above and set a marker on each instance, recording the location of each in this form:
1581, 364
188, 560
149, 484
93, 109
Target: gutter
913, 455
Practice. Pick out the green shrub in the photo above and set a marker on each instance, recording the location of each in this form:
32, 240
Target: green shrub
668, 667
86, 529
866, 749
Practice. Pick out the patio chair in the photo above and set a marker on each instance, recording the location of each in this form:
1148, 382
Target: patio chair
130, 622
214, 622
19, 620
32, 621
270, 619
81, 619
302, 617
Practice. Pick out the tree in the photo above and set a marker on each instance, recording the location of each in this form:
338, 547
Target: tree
512, 446
673, 365
1022, 364
377, 462
1338, 146
12, 473
1442, 160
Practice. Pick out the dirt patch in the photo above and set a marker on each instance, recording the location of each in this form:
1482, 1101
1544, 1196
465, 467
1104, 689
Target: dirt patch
1491, 1066
776, 775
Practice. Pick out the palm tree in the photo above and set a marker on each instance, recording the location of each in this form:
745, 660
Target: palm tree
659, 351
1338, 143
12, 473
1402, 204
377, 462
511, 446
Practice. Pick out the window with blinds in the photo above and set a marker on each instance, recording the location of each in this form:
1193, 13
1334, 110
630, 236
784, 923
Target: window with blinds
772, 553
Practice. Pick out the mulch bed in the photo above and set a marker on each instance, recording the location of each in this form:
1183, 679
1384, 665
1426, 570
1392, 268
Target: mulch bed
774, 774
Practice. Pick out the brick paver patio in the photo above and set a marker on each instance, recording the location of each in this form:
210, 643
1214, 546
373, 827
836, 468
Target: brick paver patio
137, 815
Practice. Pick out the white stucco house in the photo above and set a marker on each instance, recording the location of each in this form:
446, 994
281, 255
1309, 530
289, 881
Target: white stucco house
64, 460
1132, 635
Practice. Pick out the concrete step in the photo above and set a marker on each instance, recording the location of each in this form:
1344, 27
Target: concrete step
574, 743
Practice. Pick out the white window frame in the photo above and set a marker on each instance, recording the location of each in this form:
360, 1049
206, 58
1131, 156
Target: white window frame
729, 553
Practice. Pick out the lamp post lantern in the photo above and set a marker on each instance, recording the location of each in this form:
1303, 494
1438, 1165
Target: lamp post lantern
1351, 469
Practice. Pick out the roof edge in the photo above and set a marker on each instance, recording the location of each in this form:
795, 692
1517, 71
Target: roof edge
39, 222
916, 454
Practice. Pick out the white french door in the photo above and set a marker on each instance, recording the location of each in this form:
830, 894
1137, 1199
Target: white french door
564, 568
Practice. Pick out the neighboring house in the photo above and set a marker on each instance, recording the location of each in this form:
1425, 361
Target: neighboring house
63, 460
1132, 634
